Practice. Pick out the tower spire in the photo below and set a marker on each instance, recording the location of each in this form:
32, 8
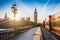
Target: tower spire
35, 10
5, 17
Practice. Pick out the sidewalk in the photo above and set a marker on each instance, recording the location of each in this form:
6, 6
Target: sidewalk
38, 34
28, 35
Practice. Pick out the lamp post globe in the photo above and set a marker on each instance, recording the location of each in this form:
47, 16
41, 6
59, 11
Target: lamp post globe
14, 9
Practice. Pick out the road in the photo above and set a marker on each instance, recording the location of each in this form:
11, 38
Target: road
36, 33
29, 35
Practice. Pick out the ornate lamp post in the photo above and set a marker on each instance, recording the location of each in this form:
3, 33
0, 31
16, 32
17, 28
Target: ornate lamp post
44, 23
14, 10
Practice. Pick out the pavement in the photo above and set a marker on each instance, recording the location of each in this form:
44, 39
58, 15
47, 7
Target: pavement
36, 33
28, 35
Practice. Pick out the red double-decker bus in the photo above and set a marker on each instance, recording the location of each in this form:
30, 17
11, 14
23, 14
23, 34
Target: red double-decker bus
55, 23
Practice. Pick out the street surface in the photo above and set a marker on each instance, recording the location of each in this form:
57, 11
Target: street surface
36, 33
29, 35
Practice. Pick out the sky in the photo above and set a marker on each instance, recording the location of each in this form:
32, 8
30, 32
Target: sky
26, 8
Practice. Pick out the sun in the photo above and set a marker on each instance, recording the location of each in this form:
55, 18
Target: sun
17, 17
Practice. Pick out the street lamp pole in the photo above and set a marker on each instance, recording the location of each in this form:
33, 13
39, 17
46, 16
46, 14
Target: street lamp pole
44, 23
14, 10
50, 23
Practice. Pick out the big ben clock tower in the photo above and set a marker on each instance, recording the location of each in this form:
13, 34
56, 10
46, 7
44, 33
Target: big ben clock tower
35, 16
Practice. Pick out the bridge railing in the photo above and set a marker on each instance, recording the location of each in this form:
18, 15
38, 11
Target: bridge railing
6, 34
10, 32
